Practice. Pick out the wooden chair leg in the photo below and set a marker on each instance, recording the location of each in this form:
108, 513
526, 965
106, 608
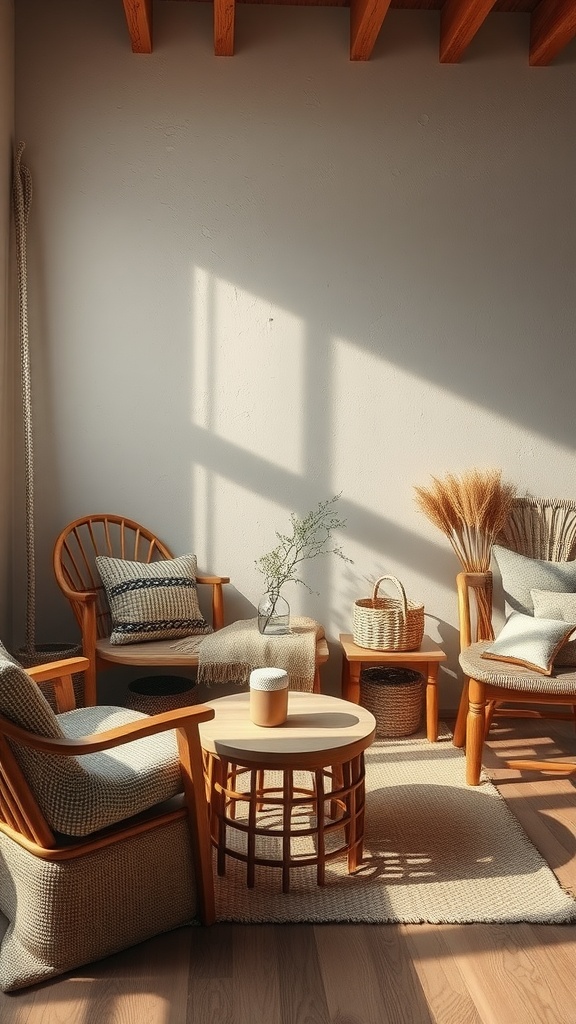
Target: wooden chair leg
459, 737
475, 725
489, 716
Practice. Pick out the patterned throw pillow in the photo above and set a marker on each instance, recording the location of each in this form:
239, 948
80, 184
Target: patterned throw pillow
521, 574
530, 642
152, 601
550, 605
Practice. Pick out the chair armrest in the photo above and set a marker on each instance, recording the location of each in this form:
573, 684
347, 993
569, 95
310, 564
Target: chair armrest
217, 597
178, 719
475, 623
60, 674
56, 669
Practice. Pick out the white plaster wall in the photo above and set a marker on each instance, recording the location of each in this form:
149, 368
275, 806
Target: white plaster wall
6, 363
265, 280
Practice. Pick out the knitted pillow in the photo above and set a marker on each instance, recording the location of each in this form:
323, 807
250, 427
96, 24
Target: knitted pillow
521, 574
152, 601
529, 642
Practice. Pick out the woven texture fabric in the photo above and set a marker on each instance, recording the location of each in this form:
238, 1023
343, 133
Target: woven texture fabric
152, 601
64, 914
521, 574
230, 654
79, 795
435, 850
83, 794
515, 677
22, 701
542, 528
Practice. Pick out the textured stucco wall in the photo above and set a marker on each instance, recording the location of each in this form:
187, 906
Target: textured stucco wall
6, 364
261, 281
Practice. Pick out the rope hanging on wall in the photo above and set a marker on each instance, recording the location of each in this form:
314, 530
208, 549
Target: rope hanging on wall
21, 199
32, 653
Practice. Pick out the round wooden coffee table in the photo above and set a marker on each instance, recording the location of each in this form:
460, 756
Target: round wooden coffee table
261, 779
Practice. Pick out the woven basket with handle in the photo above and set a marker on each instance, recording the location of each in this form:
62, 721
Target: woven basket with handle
388, 623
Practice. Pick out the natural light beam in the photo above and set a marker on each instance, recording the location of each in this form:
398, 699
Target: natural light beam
247, 371
399, 428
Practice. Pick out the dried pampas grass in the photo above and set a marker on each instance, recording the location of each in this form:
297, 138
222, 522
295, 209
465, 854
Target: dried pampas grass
471, 510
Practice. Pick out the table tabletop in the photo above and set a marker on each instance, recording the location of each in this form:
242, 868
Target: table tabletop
318, 727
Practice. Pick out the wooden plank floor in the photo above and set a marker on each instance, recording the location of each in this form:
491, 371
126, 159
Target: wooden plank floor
352, 974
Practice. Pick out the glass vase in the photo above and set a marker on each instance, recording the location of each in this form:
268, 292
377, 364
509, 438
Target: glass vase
273, 615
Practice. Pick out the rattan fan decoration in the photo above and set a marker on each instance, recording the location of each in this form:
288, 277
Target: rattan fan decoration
471, 510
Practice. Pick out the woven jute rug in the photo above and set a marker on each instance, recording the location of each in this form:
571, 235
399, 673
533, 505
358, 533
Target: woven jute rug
436, 850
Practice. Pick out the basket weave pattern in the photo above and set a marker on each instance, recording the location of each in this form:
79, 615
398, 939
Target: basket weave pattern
395, 696
388, 623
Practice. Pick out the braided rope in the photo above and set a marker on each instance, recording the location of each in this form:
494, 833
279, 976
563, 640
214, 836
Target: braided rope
22, 198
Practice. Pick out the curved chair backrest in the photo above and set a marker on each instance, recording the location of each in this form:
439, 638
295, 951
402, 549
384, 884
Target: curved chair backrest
542, 528
80, 542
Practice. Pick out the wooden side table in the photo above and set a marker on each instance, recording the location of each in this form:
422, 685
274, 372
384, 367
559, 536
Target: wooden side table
323, 739
426, 660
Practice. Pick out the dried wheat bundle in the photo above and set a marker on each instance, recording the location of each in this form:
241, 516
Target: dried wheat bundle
471, 510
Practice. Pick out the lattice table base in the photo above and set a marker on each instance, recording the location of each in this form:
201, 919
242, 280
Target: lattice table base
286, 817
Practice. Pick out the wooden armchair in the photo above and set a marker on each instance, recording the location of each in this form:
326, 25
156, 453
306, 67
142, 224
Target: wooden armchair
74, 561
104, 842
538, 528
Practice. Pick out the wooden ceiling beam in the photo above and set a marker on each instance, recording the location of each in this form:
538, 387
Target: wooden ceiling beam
552, 27
366, 17
224, 16
139, 20
459, 23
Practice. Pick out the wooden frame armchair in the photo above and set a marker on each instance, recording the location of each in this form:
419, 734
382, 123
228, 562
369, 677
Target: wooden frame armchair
74, 557
538, 528
73, 893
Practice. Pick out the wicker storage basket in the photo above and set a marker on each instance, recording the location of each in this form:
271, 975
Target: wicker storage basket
395, 698
388, 623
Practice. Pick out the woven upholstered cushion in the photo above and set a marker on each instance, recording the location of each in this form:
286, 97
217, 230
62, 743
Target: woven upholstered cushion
64, 914
80, 795
83, 794
152, 601
515, 676
548, 604
520, 575
533, 643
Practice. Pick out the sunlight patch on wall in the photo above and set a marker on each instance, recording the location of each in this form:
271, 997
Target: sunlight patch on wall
397, 429
247, 368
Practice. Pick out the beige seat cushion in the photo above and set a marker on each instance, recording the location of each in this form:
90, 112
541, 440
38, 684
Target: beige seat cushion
80, 795
514, 676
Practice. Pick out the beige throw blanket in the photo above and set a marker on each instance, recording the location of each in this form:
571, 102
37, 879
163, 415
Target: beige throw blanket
230, 654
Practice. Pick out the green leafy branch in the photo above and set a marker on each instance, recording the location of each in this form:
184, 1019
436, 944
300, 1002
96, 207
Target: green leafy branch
310, 537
